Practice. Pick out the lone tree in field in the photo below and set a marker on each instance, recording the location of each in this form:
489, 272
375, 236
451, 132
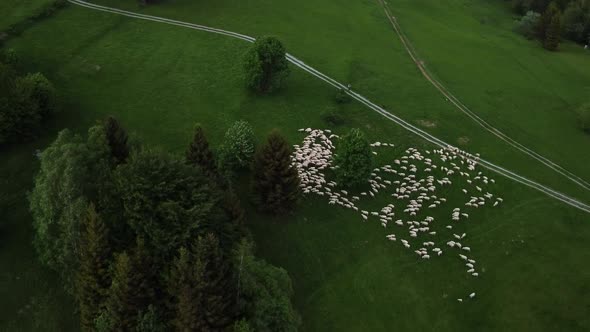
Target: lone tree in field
93, 274
266, 65
353, 159
199, 154
276, 181
553, 34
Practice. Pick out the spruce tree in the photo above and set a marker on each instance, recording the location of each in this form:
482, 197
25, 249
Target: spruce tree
545, 21
144, 281
553, 34
218, 287
186, 289
117, 138
119, 305
276, 181
199, 154
93, 275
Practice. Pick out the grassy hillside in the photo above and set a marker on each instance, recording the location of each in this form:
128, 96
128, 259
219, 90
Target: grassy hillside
14, 11
159, 80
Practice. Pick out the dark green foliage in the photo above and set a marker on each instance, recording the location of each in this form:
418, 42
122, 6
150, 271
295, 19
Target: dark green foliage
120, 309
69, 176
145, 277
545, 21
242, 326
342, 97
528, 24
198, 154
275, 181
584, 116
93, 275
117, 138
219, 294
576, 21
265, 65
353, 159
233, 208
237, 149
553, 34
150, 321
332, 117
165, 201
265, 293
186, 289
24, 103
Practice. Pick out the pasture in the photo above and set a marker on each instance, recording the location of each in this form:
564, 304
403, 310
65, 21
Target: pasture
158, 80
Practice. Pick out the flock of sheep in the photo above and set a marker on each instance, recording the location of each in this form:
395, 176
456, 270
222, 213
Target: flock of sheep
412, 180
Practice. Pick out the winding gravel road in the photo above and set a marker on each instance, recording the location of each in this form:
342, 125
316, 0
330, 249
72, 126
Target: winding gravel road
419, 132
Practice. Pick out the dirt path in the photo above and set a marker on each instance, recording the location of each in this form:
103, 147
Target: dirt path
419, 132
460, 106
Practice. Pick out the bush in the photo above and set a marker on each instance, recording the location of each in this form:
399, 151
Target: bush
342, 97
333, 117
584, 117
237, 149
353, 159
527, 24
24, 103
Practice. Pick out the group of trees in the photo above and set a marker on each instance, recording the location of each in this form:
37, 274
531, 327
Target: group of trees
148, 241
549, 21
26, 101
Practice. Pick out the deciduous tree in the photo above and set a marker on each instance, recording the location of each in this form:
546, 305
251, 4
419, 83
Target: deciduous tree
353, 159
266, 65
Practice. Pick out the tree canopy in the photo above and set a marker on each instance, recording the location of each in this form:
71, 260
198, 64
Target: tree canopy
266, 65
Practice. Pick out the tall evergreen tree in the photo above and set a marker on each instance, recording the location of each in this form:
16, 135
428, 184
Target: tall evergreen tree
545, 21
93, 275
199, 154
120, 307
186, 289
553, 35
218, 287
144, 281
117, 138
276, 181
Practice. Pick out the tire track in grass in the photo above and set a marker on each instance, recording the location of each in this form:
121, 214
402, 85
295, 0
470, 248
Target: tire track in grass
298, 63
459, 105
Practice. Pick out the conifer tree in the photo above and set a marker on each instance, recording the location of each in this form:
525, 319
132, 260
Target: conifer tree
545, 21
553, 34
218, 291
186, 289
276, 181
117, 138
93, 274
144, 280
120, 308
199, 154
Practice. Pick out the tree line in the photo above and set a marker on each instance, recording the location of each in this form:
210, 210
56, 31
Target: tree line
148, 241
550, 21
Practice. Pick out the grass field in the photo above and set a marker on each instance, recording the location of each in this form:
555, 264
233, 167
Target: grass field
159, 80
14, 11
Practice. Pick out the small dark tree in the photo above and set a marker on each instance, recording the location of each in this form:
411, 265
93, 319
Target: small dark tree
553, 35
199, 154
276, 181
150, 321
144, 281
120, 308
353, 159
266, 65
117, 138
93, 274
186, 289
